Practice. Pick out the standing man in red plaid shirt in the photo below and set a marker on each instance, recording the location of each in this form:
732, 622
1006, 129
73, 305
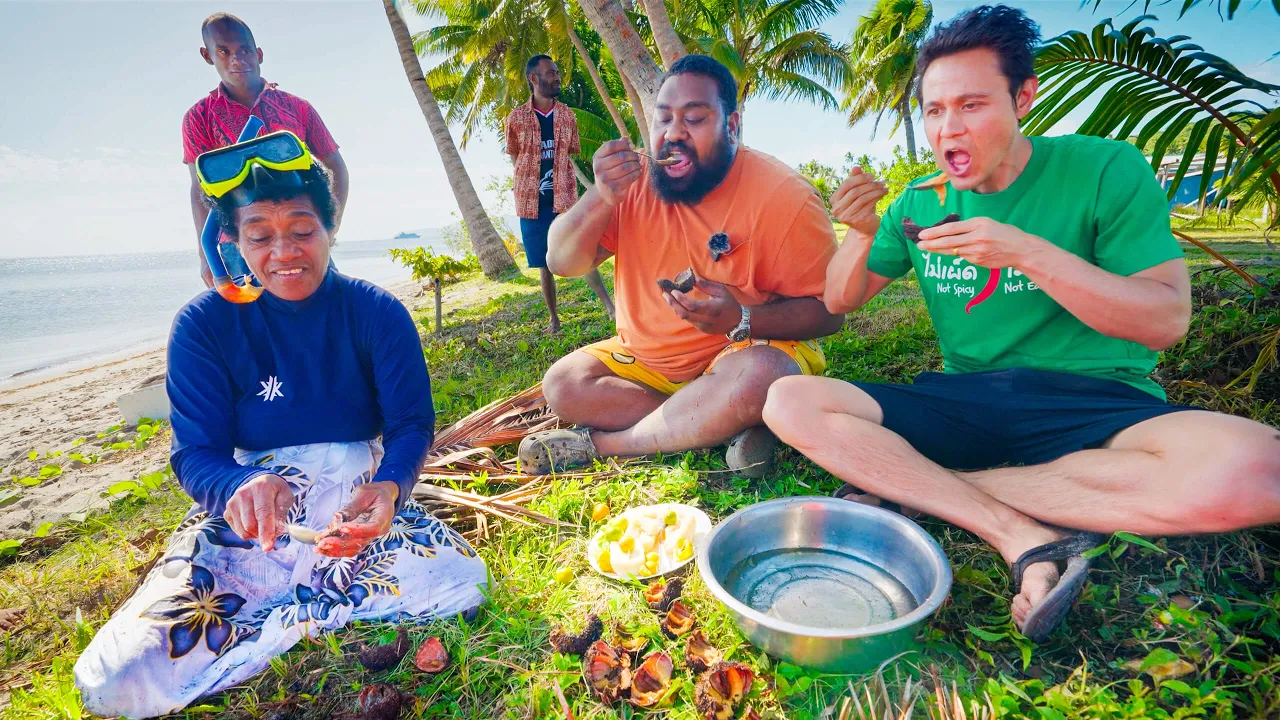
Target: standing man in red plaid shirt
542, 137
216, 121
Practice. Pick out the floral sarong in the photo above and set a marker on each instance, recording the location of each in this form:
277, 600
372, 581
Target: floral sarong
215, 608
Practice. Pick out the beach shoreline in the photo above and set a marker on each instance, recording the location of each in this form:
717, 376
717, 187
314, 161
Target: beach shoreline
47, 411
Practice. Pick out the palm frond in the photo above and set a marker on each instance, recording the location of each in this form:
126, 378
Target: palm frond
883, 58
1159, 88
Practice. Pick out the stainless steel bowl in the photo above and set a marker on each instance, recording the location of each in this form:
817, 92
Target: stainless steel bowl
810, 564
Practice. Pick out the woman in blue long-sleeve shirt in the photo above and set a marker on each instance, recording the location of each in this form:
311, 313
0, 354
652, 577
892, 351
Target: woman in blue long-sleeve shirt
277, 410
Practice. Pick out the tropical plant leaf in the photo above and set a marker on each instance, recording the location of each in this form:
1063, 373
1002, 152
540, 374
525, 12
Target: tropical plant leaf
1159, 89
773, 48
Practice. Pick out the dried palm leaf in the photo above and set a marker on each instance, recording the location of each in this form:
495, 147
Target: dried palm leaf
499, 423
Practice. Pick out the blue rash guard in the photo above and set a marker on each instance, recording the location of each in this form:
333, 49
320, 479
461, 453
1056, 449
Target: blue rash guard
343, 365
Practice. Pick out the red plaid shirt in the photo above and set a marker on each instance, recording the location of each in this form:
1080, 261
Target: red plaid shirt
216, 121
524, 145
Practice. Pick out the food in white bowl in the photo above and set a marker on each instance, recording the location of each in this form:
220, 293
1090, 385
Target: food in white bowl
647, 541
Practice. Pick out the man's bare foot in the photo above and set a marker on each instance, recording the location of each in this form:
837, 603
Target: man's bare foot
1038, 579
555, 326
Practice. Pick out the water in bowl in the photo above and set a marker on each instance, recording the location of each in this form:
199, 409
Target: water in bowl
818, 588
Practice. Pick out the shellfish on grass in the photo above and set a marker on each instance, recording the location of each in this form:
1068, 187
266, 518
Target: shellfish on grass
912, 230
719, 693
606, 671
569, 644
699, 654
683, 282
660, 594
678, 622
376, 658
627, 640
431, 658
650, 682
379, 702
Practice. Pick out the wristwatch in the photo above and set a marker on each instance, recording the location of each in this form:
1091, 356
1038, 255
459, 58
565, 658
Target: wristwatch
743, 330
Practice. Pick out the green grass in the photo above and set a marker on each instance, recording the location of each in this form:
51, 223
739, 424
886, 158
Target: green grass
1212, 602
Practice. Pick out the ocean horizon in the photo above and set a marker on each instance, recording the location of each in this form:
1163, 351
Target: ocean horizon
72, 309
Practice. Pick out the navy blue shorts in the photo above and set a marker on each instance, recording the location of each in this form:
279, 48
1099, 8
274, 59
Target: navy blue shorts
974, 421
533, 233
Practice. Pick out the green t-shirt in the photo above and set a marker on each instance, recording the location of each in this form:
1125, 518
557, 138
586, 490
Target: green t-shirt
1092, 197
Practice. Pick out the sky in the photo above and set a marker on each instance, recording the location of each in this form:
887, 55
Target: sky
92, 96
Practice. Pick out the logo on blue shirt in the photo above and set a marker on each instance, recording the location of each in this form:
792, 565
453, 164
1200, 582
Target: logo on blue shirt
271, 389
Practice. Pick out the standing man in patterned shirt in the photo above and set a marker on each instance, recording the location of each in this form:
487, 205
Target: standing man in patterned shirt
216, 121
542, 137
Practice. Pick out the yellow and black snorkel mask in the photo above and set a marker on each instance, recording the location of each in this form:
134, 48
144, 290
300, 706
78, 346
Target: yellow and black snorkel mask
239, 172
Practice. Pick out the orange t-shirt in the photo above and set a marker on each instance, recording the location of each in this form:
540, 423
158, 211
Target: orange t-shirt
780, 240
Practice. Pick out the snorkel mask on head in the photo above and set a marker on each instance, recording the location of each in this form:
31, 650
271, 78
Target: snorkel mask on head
239, 172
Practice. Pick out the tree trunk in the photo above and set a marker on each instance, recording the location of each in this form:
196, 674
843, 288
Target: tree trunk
599, 81
904, 112
439, 302
624, 43
664, 35
582, 177
495, 261
637, 109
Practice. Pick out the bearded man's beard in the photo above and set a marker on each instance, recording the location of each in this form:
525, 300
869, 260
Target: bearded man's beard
706, 175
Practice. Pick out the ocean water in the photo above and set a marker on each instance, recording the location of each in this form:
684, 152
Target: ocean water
60, 310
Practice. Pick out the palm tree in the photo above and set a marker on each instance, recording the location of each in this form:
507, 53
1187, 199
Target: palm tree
485, 44
610, 20
670, 47
885, 45
495, 261
601, 89
1158, 88
772, 47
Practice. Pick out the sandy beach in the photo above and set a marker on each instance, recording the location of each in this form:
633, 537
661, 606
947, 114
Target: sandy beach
48, 413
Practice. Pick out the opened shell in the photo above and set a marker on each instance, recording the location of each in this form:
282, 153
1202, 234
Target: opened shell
576, 644
719, 693
432, 657
683, 282
661, 594
651, 680
678, 622
912, 230
627, 640
699, 654
606, 671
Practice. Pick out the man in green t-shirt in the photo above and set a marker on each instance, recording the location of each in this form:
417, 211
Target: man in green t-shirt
1052, 290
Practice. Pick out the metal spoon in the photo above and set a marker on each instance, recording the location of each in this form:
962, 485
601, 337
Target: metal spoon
302, 534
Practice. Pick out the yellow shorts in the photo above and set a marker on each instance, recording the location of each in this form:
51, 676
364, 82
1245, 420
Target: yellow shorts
807, 354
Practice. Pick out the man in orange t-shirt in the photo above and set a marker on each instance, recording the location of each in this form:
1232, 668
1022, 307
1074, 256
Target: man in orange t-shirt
689, 369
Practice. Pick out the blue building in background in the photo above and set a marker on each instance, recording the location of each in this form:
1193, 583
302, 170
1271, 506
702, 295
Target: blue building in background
1188, 191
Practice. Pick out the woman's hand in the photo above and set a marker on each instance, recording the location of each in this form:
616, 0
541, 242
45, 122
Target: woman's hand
366, 518
259, 510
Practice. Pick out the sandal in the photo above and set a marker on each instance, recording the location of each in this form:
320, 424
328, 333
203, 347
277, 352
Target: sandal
549, 451
1051, 611
750, 452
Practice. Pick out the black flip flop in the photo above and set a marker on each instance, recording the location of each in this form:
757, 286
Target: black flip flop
1046, 616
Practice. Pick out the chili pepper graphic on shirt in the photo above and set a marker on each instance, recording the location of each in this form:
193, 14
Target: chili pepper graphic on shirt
956, 276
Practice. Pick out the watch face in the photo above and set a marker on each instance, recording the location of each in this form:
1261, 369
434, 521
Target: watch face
739, 334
